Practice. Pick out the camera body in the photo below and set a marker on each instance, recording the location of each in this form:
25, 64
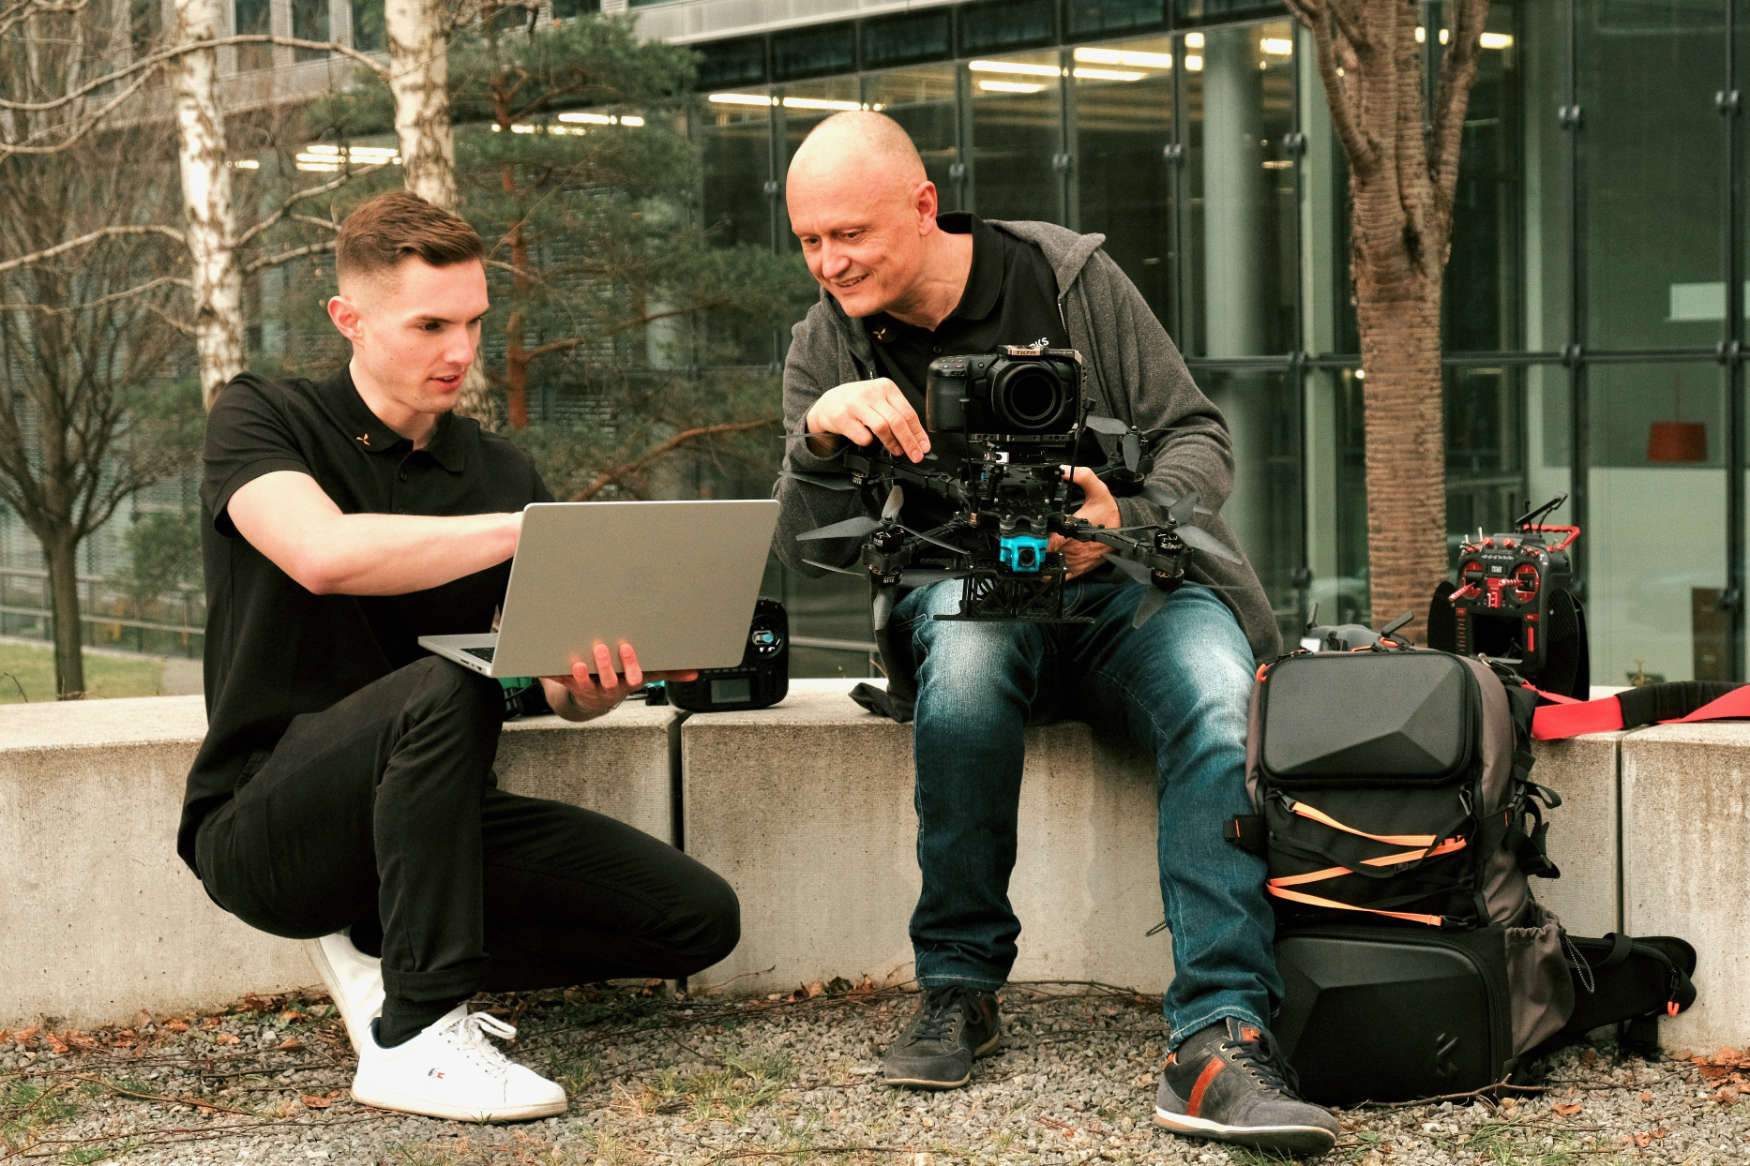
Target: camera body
761, 679
1026, 401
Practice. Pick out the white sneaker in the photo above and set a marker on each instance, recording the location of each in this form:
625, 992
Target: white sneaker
451, 1070
354, 979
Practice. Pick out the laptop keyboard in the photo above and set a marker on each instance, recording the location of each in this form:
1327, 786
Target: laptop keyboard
483, 653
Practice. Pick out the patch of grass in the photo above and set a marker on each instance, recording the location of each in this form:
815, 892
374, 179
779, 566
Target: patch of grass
741, 1084
27, 672
26, 1107
106, 1152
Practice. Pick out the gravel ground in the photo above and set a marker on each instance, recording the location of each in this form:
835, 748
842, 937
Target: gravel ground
660, 1079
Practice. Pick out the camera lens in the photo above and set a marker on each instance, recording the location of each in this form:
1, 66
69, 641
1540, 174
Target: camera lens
1028, 399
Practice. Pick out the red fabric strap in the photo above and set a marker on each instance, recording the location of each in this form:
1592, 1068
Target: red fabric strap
1552, 721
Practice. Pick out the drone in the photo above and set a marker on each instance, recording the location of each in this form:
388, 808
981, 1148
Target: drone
1010, 496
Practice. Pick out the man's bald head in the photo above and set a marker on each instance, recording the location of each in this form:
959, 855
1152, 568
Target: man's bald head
872, 143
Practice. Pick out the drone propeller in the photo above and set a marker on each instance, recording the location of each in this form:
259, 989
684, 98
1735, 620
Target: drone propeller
835, 570
855, 527
1172, 502
1199, 539
1129, 438
1150, 603
824, 481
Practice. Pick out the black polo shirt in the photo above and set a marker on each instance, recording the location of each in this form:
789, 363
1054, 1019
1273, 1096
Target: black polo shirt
1010, 298
273, 649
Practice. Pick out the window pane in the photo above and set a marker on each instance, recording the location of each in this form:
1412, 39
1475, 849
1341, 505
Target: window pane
1485, 449
734, 139
1336, 493
1483, 269
567, 8
1652, 154
254, 16
1327, 291
1016, 103
1124, 119
309, 22
1653, 545
923, 101
1242, 222
1197, 11
732, 62
1541, 50
913, 36
1004, 24
1093, 17
1263, 414
367, 26
821, 48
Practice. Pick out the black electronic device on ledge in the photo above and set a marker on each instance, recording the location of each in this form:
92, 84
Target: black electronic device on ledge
760, 680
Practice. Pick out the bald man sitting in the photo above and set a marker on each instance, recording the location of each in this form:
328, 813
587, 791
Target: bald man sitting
902, 284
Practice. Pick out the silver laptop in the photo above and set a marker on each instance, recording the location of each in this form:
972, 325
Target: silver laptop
677, 580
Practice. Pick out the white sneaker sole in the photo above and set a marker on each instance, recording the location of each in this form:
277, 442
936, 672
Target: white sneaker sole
425, 1108
1296, 1138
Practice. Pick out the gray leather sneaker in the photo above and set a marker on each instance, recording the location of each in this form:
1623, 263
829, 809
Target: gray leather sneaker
952, 1025
1228, 1083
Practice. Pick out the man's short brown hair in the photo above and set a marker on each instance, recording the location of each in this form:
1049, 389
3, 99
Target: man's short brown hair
391, 227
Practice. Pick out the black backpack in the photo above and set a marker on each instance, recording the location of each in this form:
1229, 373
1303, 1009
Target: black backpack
1399, 824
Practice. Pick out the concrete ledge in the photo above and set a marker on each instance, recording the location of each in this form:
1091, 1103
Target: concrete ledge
1583, 832
806, 809
1686, 831
103, 919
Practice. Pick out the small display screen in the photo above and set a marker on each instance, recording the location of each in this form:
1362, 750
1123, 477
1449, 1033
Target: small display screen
731, 691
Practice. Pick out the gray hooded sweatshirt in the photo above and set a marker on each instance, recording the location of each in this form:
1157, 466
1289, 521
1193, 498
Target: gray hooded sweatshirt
1134, 373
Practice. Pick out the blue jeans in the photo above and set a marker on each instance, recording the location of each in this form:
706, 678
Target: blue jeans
1179, 687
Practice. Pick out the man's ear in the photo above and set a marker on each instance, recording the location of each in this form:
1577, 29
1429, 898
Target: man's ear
926, 203
345, 316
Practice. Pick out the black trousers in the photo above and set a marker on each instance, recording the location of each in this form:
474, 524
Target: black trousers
382, 812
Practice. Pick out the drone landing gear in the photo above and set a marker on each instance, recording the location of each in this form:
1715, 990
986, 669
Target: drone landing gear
991, 592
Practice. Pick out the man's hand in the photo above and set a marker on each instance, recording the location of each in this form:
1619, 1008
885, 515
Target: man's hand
584, 696
869, 411
1099, 508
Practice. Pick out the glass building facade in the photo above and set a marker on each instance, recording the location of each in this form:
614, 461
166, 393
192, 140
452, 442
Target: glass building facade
1596, 300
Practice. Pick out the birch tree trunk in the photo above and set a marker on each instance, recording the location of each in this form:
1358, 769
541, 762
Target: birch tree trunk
206, 199
419, 83
1403, 169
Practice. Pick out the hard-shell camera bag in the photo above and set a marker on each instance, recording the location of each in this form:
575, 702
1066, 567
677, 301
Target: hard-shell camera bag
1382, 1013
1392, 785
1398, 823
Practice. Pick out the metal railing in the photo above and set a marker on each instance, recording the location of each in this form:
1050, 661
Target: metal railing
108, 618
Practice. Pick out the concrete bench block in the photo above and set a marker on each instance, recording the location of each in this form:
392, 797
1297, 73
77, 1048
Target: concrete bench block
618, 765
1583, 831
1686, 847
806, 808
101, 916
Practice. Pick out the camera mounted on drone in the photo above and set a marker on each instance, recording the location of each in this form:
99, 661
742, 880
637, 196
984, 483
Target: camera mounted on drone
1006, 423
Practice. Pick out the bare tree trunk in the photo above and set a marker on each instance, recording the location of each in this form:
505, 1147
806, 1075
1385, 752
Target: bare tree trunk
419, 83
1403, 166
62, 552
206, 200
